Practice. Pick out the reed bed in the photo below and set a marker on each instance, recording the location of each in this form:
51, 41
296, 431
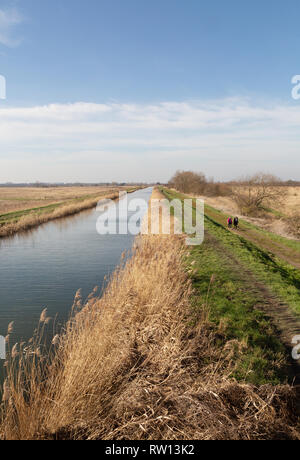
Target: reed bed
139, 363
35, 219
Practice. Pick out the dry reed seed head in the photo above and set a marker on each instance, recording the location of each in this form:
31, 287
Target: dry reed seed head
56, 340
38, 352
43, 316
10, 328
6, 391
78, 295
15, 351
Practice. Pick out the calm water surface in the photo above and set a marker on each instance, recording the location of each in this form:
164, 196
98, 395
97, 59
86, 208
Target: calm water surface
45, 268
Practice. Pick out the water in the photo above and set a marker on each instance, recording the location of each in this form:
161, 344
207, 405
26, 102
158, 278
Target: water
45, 267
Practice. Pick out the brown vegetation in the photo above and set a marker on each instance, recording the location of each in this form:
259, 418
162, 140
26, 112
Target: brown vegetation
254, 194
284, 223
139, 363
262, 199
188, 182
196, 184
20, 198
293, 224
36, 218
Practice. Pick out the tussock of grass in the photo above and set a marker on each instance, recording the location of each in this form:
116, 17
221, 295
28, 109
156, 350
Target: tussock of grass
138, 364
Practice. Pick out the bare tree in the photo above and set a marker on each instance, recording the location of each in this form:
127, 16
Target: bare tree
188, 182
254, 194
197, 184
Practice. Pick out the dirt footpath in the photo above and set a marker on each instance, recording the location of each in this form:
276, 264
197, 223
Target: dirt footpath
279, 248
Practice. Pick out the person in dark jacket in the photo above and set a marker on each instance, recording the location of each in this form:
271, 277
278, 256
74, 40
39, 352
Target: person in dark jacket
236, 223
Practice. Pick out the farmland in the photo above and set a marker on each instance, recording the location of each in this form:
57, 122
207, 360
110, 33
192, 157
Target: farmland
22, 208
16, 199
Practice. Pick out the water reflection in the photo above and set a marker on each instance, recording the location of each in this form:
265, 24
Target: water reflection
44, 268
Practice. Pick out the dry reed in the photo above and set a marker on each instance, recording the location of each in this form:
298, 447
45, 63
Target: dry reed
139, 363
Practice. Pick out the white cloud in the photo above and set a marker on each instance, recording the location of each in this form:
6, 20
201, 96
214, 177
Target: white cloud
9, 18
85, 141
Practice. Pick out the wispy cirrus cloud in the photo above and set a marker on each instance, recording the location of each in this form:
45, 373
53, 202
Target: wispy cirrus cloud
9, 19
93, 142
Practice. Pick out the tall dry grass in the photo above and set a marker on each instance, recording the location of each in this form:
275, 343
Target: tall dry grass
139, 363
34, 219
293, 225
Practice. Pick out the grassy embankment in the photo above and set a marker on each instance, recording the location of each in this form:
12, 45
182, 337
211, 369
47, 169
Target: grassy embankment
245, 277
136, 364
144, 361
25, 219
284, 248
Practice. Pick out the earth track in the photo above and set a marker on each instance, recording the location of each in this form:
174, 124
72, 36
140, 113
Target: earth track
286, 322
287, 254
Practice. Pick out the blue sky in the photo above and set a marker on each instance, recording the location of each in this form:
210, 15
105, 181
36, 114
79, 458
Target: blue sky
134, 90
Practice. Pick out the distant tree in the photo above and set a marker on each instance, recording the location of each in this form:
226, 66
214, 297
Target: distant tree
256, 193
188, 182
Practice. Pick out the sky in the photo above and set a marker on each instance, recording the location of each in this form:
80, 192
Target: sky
133, 90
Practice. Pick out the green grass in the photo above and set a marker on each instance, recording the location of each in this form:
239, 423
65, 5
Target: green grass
281, 278
293, 244
274, 212
263, 236
278, 276
234, 304
16, 215
289, 247
233, 314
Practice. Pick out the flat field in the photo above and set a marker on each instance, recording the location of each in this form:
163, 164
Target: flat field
20, 198
23, 208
